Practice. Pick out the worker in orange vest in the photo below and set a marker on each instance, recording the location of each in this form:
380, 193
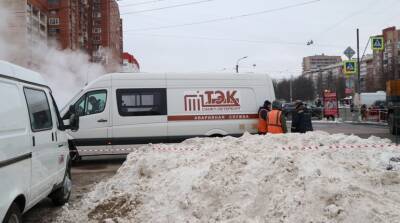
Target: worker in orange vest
276, 120
262, 117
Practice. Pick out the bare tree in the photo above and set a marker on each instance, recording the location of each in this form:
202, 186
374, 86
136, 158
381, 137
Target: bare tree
303, 89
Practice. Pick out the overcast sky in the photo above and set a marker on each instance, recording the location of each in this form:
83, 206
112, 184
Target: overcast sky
274, 41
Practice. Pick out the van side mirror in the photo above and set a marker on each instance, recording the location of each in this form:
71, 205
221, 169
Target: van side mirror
73, 119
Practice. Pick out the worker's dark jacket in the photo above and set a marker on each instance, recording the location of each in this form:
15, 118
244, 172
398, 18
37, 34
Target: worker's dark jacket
301, 122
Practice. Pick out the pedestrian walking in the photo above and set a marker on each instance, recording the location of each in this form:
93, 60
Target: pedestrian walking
262, 117
301, 121
276, 121
364, 112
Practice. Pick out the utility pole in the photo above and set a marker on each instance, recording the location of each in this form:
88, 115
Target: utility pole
358, 63
358, 77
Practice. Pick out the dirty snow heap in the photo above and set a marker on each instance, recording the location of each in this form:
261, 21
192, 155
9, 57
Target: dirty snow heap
314, 177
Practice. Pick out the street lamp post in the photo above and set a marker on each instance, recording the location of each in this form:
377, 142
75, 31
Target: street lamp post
291, 88
237, 63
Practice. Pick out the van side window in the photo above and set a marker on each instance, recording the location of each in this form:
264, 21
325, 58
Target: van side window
39, 109
142, 102
91, 103
80, 106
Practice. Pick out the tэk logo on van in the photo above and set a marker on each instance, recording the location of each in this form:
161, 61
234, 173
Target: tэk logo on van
210, 100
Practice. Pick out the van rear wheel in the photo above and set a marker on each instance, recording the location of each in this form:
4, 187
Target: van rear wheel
62, 194
13, 215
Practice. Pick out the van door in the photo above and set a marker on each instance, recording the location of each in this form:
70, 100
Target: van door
94, 122
43, 142
140, 117
15, 145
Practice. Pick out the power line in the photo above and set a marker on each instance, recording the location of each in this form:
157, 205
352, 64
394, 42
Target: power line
143, 3
351, 15
100, 3
167, 7
267, 42
226, 18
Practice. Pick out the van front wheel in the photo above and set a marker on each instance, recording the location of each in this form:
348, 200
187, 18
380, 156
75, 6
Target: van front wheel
13, 215
62, 194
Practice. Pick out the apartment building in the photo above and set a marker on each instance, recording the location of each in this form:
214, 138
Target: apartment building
105, 33
325, 78
319, 61
68, 24
26, 26
92, 26
367, 73
386, 63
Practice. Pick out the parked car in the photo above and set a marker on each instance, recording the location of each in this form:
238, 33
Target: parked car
125, 109
288, 109
379, 104
34, 155
316, 112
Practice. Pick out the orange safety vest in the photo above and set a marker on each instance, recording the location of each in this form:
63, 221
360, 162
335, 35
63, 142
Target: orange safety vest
274, 122
262, 124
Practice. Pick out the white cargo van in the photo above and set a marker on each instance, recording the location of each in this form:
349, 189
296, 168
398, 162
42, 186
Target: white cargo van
123, 109
34, 155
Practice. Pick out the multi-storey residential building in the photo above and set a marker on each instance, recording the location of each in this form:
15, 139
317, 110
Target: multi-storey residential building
93, 26
386, 63
68, 23
331, 78
106, 33
27, 25
319, 61
366, 74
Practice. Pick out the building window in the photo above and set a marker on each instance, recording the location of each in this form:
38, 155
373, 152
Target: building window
97, 38
54, 21
96, 23
97, 30
97, 14
35, 12
28, 8
53, 31
96, 46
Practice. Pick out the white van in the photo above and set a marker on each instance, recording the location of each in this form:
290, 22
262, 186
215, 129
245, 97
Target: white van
34, 155
123, 109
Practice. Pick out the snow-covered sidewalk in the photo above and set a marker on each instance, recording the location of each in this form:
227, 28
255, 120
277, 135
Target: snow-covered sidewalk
251, 179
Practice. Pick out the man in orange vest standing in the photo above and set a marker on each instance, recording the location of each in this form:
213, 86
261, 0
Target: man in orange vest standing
276, 121
262, 117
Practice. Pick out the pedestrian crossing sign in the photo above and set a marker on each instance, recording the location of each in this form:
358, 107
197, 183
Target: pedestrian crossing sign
349, 67
377, 43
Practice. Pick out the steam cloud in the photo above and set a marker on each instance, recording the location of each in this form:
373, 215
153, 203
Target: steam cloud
65, 71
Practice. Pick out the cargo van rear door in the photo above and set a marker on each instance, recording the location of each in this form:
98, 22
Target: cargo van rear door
42, 136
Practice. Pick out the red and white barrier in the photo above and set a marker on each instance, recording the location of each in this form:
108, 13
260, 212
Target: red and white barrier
156, 148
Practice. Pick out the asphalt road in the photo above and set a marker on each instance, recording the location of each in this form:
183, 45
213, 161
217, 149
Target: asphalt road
95, 169
361, 130
84, 176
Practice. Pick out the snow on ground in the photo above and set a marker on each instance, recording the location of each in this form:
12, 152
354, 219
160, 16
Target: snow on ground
251, 179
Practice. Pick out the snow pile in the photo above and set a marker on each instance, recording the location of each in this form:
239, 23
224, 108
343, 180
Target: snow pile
251, 179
